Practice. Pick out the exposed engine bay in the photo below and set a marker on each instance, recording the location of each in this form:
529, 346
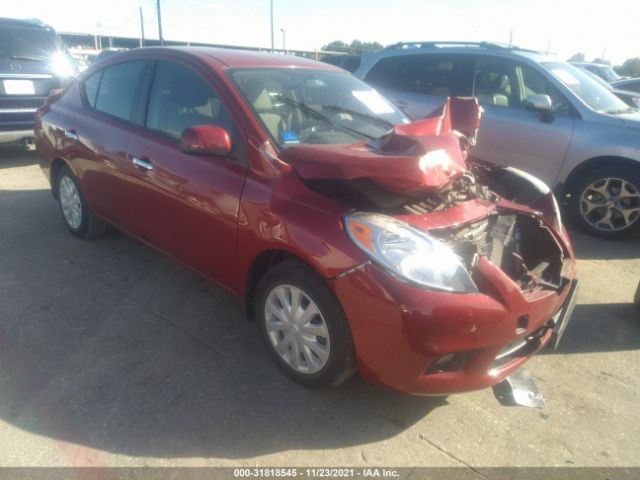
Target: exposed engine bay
414, 175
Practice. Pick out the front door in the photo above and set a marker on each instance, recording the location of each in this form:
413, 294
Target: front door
512, 135
186, 205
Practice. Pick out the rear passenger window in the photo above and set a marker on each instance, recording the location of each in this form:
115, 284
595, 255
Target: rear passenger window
117, 88
181, 98
439, 75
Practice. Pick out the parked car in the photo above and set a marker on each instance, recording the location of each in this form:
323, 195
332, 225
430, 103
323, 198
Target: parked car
629, 97
605, 72
349, 62
629, 84
33, 61
355, 239
543, 116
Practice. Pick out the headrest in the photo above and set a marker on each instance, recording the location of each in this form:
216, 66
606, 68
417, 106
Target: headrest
257, 94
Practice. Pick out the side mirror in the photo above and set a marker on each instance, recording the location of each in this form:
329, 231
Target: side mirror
205, 140
541, 103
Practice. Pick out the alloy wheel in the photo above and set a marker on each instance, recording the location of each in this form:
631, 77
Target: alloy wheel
297, 329
610, 204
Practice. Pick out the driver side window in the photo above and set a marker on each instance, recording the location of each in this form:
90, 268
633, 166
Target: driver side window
180, 98
534, 83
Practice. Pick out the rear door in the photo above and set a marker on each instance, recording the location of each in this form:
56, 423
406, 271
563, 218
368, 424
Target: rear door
186, 205
419, 83
97, 133
510, 134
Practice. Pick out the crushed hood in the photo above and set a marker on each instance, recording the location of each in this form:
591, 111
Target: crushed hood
422, 155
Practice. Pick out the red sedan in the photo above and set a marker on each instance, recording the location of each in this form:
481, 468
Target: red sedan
357, 240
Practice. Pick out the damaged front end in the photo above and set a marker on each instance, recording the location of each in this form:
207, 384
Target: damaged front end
419, 174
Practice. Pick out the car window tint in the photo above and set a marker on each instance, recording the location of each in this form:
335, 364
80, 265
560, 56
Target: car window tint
534, 83
495, 82
180, 98
91, 85
439, 75
117, 89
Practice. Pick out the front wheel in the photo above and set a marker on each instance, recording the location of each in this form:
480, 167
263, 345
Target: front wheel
304, 326
606, 202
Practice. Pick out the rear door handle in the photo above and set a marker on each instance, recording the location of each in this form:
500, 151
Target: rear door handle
142, 163
71, 134
401, 104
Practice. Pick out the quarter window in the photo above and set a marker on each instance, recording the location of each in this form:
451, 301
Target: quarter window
180, 98
438, 75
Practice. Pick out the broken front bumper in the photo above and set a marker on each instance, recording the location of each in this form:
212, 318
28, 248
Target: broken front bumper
435, 343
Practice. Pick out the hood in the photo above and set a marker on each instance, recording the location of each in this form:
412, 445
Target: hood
423, 155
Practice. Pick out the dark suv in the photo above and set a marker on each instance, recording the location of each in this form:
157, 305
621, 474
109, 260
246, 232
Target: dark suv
33, 61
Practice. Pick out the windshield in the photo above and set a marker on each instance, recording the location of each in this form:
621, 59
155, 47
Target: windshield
608, 73
315, 106
27, 43
592, 93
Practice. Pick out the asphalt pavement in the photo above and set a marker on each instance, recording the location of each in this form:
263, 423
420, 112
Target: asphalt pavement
113, 355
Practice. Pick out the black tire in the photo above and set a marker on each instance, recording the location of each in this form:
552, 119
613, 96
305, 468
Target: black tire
90, 226
341, 361
628, 174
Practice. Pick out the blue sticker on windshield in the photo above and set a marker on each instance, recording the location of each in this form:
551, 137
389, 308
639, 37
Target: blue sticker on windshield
289, 137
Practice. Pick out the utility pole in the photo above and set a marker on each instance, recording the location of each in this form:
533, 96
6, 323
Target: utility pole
159, 23
272, 42
141, 28
510, 37
284, 46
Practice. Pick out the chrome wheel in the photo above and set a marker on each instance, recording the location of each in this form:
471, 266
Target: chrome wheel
296, 328
610, 204
70, 202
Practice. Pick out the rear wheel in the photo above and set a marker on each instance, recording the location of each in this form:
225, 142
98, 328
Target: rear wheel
75, 211
304, 326
606, 202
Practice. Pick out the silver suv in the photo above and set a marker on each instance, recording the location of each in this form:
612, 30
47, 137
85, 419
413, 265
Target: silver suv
541, 115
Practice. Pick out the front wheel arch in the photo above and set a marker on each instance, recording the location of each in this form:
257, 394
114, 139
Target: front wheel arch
56, 167
596, 163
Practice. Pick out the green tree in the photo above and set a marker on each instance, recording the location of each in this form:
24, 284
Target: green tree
356, 46
630, 67
576, 57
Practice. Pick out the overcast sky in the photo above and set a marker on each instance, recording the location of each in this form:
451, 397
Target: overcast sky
567, 27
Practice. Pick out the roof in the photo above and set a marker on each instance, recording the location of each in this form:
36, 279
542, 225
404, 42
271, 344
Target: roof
243, 58
416, 48
26, 22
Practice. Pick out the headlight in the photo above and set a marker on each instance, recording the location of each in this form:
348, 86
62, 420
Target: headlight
62, 65
408, 253
636, 101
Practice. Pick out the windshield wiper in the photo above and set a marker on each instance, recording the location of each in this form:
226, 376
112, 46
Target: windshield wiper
373, 118
33, 58
319, 115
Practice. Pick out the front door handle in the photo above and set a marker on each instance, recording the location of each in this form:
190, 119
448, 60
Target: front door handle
142, 163
401, 104
71, 134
